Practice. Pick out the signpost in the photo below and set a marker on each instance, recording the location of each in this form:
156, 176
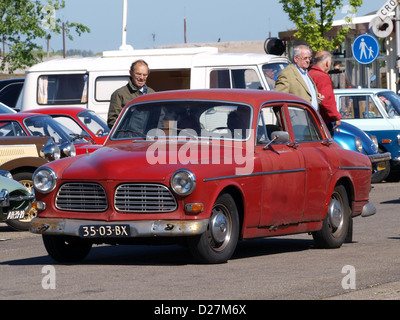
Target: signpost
365, 50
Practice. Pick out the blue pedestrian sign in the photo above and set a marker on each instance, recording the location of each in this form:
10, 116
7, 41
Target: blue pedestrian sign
365, 48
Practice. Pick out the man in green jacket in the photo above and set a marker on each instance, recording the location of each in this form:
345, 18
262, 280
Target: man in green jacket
136, 87
294, 78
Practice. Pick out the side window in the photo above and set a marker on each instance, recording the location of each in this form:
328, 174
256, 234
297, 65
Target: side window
268, 122
358, 107
368, 108
105, 86
62, 89
11, 129
303, 124
346, 107
235, 78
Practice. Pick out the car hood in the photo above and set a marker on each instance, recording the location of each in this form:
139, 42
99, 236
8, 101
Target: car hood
149, 161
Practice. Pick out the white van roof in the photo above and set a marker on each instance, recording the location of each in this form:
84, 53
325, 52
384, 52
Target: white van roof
171, 58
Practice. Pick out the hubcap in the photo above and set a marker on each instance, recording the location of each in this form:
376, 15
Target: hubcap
220, 228
336, 215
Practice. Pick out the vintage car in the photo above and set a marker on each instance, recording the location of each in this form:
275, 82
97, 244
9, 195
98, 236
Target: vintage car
83, 122
21, 156
353, 138
15, 199
209, 167
376, 112
32, 124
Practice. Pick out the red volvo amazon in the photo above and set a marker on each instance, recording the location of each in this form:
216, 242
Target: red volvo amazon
212, 166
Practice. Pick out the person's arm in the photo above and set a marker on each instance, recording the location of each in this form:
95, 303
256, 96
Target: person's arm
114, 110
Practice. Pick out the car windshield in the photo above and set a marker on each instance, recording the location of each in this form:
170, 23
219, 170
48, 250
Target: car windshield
391, 103
185, 119
94, 123
271, 72
46, 126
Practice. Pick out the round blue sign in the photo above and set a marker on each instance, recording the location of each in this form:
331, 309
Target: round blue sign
365, 48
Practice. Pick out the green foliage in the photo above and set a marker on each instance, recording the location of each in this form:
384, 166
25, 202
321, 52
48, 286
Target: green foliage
23, 22
314, 18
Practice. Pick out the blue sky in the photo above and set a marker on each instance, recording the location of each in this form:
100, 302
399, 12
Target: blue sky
207, 21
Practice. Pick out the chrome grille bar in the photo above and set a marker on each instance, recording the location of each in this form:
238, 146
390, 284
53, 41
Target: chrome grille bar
148, 198
88, 197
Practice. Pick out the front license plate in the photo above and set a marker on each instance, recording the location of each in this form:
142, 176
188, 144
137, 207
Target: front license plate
16, 214
105, 231
381, 166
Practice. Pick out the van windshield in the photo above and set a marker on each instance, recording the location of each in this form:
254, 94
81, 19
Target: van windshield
62, 89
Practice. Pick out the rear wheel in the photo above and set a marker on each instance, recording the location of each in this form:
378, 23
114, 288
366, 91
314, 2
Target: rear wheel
336, 223
66, 249
218, 243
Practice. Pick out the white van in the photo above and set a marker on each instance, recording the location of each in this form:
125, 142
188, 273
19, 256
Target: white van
89, 82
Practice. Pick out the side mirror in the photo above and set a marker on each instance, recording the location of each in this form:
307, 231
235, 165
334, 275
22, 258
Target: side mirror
278, 136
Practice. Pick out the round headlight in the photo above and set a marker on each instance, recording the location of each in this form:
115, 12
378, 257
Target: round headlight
375, 141
44, 180
359, 144
183, 182
68, 149
50, 151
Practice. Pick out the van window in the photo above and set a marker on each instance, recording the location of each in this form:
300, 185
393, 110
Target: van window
105, 86
62, 89
271, 72
235, 78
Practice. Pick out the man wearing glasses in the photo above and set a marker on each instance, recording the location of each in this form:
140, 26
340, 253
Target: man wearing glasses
136, 86
294, 78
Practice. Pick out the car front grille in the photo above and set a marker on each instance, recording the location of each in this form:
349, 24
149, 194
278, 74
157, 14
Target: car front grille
89, 197
144, 198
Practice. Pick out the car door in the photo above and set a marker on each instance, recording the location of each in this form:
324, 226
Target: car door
283, 172
313, 144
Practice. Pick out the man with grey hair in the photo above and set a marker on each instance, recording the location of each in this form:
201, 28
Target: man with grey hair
321, 78
294, 78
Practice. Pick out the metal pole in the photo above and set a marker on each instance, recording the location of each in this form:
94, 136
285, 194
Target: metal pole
124, 22
397, 28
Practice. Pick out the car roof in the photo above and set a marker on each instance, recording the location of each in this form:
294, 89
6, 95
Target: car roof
57, 110
19, 116
360, 90
248, 96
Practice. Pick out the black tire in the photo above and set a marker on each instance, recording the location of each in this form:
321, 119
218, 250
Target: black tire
337, 221
25, 178
218, 243
66, 249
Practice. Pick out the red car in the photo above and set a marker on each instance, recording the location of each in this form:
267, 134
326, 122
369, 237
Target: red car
211, 166
81, 121
32, 124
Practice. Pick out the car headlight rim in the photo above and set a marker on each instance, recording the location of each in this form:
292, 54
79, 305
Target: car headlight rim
183, 182
359, 144
44, 180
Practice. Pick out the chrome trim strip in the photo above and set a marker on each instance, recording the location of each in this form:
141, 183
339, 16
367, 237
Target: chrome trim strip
255, 174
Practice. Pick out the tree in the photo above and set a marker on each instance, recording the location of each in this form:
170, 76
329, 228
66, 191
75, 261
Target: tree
22, 23
314, 18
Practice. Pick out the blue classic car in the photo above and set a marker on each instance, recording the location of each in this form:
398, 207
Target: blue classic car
353, 138
376, 112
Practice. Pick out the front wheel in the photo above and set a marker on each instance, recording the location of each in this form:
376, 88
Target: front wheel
218, 243
336, 223
66, 249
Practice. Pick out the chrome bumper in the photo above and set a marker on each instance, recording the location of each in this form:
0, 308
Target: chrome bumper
368, 210
379, 157
141, 228
5, 198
